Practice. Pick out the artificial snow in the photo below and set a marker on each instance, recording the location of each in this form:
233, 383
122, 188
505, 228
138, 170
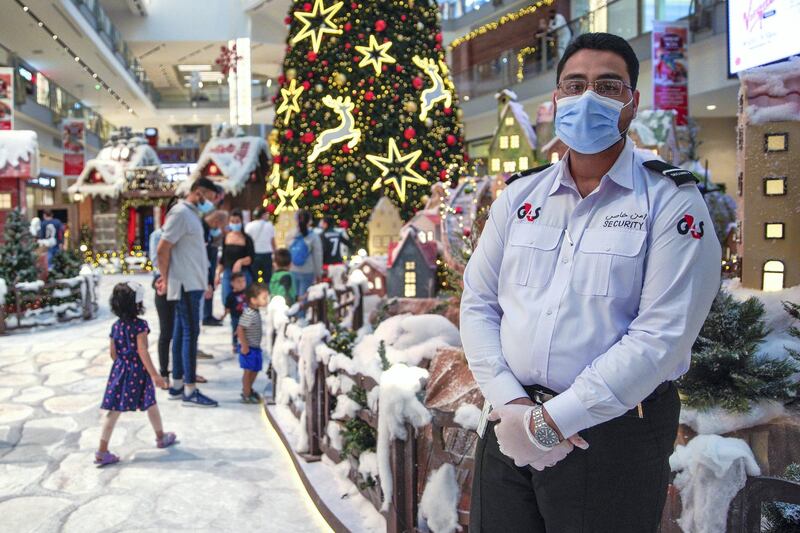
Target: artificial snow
30, 286
3, 290
368, 465
718, 421
710, 471
398, 406
301, 441
467, 416
334, 433
18, 146
345, 408
310, 337
317, 292
777, 113
439, 503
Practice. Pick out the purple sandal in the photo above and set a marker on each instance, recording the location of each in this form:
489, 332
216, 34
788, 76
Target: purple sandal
166, 440
102, 459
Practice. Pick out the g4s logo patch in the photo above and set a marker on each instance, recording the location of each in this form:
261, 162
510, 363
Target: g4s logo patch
527, 212
687, 225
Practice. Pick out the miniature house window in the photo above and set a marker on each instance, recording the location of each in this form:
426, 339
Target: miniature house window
495, 165
773, 275
366, 269
775, 186
410, 280
370, 285
523, 163
430, 236
509, 121
776, 142
515, 141
773, 230
504, 142
378, 284
509, 166
422, 237
5, 200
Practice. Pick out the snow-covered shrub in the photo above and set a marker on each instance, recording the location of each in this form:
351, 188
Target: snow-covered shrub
358, 437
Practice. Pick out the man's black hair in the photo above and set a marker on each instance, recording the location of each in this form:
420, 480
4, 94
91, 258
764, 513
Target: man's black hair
206, 184
603, 41
236, 213
329, 220
48, 213
236, 275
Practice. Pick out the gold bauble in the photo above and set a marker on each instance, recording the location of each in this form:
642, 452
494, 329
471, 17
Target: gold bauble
291, 73
318, 87
410, 106
340, 78
420, 26
350, 177
429, 122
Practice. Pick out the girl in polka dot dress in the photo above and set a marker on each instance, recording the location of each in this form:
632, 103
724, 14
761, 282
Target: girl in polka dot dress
130, 385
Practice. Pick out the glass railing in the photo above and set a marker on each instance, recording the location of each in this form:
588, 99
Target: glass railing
94, 13
621, 17
454, 9
213, 96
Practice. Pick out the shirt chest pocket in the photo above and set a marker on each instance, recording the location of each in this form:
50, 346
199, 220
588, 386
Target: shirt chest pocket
607, 262
532, 254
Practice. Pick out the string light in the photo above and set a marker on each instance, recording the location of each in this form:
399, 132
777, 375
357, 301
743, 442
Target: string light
375, 54
505, 19
316, 33
393, 158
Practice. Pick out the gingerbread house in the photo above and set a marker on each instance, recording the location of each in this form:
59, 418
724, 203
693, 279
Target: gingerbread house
411, 271
513, 147
383, 227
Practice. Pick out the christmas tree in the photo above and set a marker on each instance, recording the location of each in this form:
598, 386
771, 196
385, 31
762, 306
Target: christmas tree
366, 108
66, 264
18, 251
727, 369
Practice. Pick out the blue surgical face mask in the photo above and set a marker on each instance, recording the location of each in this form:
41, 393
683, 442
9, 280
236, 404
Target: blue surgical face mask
235, 227
205, 206
588, 123
215, 232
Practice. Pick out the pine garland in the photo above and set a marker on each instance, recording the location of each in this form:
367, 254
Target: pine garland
357, 437
726, 369
779, 517
358, 395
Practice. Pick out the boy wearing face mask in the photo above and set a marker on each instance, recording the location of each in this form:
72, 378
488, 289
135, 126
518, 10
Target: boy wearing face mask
581, 302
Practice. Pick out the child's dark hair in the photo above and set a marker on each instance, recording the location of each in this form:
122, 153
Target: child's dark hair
236, 275
123, 303
254, 290
282, 258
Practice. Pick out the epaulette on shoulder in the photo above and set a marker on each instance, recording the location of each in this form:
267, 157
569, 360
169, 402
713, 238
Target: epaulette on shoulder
528, 172
680, 176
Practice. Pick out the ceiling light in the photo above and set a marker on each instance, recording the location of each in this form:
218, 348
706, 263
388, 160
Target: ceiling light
466, 98
55, 37
77, 58
25, 9
269, 82
711, 107
194, 68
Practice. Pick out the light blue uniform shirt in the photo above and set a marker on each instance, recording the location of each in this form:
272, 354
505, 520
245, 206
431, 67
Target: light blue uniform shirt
598, 298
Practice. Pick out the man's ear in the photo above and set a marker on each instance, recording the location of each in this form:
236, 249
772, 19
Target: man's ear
554, 102
635, 102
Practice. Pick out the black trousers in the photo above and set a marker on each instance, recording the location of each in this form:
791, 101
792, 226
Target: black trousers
166, 323
262, 263
617, 485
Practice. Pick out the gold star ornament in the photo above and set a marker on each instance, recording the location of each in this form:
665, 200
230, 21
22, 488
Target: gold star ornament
288, 197
317, 23
290, 104
375, 54
395, 159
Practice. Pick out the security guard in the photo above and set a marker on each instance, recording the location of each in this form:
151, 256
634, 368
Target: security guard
581, 303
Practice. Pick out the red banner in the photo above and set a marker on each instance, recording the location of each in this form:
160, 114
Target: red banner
6, 98
671, 68
73, 135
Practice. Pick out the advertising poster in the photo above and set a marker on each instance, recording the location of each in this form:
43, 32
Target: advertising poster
74, 146
6, 98
671, 68
761, 32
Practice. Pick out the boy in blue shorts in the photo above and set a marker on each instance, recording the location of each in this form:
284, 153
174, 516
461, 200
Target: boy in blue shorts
249, 332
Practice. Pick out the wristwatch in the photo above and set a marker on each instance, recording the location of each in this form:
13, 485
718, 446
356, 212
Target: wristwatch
543, 436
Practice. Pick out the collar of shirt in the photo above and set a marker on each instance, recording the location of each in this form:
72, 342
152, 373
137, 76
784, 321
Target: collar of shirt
621, 172
193, 207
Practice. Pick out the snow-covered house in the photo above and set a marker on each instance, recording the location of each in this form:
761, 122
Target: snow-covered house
513, 147
383, 227
374, 269
768, 154
654, 130
237, 164
19, 161
411, 269
428, 224
121, 193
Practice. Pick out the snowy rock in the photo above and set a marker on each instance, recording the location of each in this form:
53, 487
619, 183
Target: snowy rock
72, 404
34, 395
7, 359
317, 292
3, 289
397, 406
87, 385
717, 420
32, 513
710, 471
439, 502
10, 412
92, 371
467, 416
101, 514
15, 478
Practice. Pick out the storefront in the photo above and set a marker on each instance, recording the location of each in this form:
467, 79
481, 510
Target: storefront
19, 161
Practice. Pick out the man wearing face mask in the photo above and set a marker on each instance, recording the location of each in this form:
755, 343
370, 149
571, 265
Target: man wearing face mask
581, 302
183, 263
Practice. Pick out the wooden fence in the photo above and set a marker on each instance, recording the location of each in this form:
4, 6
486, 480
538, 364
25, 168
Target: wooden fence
21, 301
744, 515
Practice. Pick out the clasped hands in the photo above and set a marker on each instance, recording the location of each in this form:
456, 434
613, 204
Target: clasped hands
513, 441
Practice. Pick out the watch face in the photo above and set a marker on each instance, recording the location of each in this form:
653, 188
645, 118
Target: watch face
546, 436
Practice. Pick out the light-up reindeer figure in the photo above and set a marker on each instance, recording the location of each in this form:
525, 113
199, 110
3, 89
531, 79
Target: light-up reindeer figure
437, 92
346, 130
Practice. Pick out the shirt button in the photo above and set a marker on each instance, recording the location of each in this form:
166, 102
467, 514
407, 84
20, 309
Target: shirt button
548, 312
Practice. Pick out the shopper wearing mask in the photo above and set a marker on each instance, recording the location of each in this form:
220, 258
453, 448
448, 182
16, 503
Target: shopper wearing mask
262, 232
237, 254
183, 263
213, 224
587, 289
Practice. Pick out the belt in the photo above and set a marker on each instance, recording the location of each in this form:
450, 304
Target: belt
541, 394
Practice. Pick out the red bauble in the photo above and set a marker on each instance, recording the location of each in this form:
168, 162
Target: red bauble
299, 164
371, 80
309, 74
345, 149
467, 232
277, 159
438, 47
311, 56
373, 122
360, 35
306, 85
369, 96
287, 20
347, 26
466, 157
289, 134
347, 46
308, 137
274, 98
324, 64
313, 123
409, 133
398, 68
438, 37
344, 224
451, 140
281, 79
417, 83
403, 18
356, 110
459, 210
315, 193
326, 170
353, 6
395, 98
307, 7
448, 111
380, 25
271, 208
405, 144
395, 85
424, 165
356, 59
325, 207
438, 153
443, 175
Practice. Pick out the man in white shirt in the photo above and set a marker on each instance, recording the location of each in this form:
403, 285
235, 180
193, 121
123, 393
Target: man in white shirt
588, 287
262, 232
559, 29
